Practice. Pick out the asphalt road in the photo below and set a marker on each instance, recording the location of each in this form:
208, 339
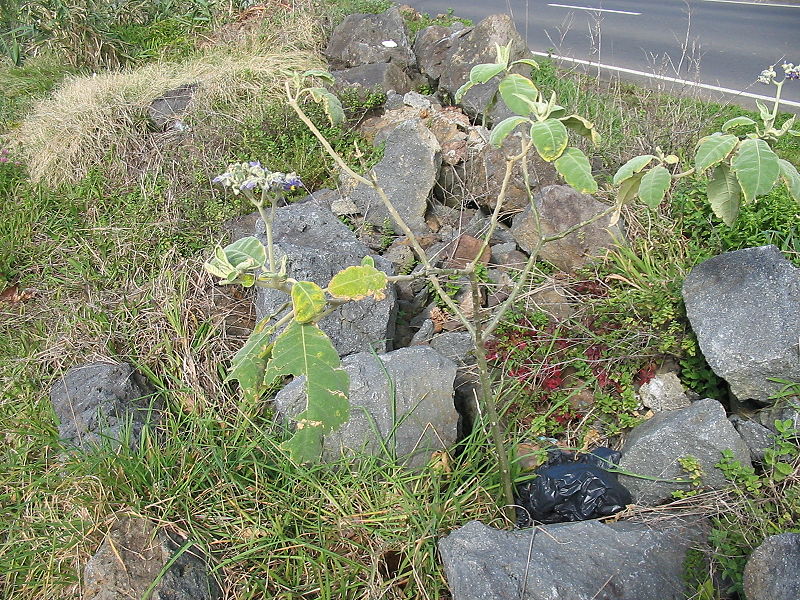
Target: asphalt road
705, 44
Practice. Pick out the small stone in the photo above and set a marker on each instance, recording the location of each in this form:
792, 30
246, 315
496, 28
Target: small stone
466, 249
664, 392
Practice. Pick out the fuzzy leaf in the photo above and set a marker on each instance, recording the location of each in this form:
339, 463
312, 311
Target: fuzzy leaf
303, 349
756, 168
356, 283
330, 104
501, 131
249, 364
574, 167
460, 92
483, 73
629, 188
763, 110
633, 166
527, 61
308, 301
737, 122
517, 91
319, 73
791, 178
724, 194
550, 138
654, 186
713, 149
245, 252
582, 127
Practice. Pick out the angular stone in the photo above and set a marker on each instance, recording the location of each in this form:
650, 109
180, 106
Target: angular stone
561, 207
413, 416
664, 392
773, 569
171, 106
587, 560
478, 46
653, 448
465, 251
407, 173
757, 437
364, 39
433, 48
372, 78
318, 246
134, 554
484, 171
97, 401
744, 307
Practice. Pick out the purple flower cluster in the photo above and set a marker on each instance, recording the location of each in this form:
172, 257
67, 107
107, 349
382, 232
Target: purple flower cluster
248, 176
791, 71
5, 158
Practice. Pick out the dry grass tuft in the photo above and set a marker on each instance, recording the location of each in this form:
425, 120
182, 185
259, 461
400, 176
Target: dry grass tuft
100, 121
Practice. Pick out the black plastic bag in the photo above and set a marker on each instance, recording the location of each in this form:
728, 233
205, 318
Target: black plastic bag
570, 488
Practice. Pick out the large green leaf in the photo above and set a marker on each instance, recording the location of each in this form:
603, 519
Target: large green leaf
357, 283
518, 92
791, 178
320, 73
249, 364
737, 122
574, 167
236, 259
308, 301
303, 349
582, 127
724, 194
756, 167
633, 166
629, 188
713, 149
550, 138
330, 104
654, 186
483, 73
503, 128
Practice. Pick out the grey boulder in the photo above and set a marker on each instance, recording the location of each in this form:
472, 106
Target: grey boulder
587, 560
318, 246
773, 569
744, 307
364, 39
100, 401
400, 403
434, 47
134, 554
407, 173
653, 449
478, 46
561, 207
757, 437
374, 78
166, 111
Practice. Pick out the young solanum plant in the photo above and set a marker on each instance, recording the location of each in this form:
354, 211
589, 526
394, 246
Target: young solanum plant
300, 347
547, 121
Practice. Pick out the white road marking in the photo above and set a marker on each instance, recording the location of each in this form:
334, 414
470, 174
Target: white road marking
621, 12
705, 86
754, 3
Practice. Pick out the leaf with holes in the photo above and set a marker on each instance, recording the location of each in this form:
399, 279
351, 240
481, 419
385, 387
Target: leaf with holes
357, 283
330, 104
304, 350
518, 92
249, 364
574, 167
756, 167
501, 131
724, 194
308, 301
654, 186
712, 150
550, 138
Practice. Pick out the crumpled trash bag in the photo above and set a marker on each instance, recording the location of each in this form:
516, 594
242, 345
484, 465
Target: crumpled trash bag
570, 488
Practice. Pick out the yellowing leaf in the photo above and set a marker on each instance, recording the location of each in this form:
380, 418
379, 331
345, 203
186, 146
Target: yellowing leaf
308, 301
550, 138
517, 92
356, 283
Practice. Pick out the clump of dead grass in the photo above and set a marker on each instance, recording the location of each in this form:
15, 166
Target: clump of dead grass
99, 121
